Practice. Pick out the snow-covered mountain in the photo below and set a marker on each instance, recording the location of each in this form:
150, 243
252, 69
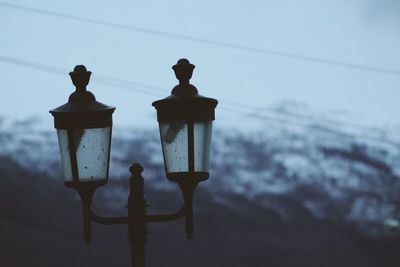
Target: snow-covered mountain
333, 170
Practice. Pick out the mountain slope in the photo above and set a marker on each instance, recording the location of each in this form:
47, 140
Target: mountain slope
286, 196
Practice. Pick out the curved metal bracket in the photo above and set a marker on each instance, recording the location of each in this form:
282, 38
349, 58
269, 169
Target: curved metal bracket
166, 217
149, 218
108, 220
137, 217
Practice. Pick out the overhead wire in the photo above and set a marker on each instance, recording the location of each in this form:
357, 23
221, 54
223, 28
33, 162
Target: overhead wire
253, 49
283, 112
127, 85
315, 125
245, 110
62, 71
157, 91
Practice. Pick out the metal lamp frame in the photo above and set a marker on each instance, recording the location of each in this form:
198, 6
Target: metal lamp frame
83, 112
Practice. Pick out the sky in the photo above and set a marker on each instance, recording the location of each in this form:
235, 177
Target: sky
336, 58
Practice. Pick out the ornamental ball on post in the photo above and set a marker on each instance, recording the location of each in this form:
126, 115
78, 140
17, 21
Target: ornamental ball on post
84, 135
185, 120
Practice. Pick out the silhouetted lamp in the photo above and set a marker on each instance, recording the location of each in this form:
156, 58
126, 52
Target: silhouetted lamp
84, 135
185, 121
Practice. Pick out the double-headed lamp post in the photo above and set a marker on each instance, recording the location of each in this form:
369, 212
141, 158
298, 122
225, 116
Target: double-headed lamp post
84, 129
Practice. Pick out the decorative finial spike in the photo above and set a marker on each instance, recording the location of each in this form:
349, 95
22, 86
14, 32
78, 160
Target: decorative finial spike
136, 169
183, 61
80, 68
183, 70
80, 77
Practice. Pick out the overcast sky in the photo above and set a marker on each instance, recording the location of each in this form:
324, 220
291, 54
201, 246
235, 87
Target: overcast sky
365, 33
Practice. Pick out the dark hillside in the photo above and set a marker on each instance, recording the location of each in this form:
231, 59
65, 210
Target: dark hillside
40, 222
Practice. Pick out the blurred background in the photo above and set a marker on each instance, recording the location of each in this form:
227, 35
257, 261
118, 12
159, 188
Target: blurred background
306, 148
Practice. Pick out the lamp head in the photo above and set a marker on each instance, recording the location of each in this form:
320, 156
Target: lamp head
185, 119
84, 134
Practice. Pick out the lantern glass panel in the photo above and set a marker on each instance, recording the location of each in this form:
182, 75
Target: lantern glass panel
92, 148
202, 142
174, 139
65, 156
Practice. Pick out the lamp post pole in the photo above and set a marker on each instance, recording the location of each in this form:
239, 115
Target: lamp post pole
137, 217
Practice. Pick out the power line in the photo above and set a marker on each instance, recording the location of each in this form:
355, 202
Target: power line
97, 78
243, 110
317, 126
299, 116
247, 48
157, 91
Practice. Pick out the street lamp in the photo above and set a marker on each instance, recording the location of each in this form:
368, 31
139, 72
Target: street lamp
84, 129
